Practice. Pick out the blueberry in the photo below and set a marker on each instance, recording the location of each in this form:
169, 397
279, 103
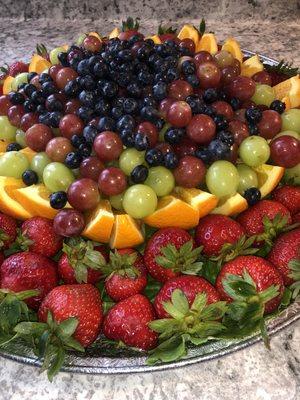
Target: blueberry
171, 160
102, 107
134, 89
54, 118
235, 103
126, 122
72, 88
252, 195
130, 105
145, 78
219, 150
106, 124
208, 110
73, 160
44, 77
45, 118
278, 106
127, 137
85, 150
193, 80
31, 75
110, 90
139, 174
87, 98
225, 137
148, 101
253, 115
87, 82
53, 103
16, 98
125, 55
154, 157
149, 113
48, 88
144, 52
29, 106
63, 59
159, 123
100, 69
160, 91
83, 67
77, 140
116, 112
89, 134
204, 155
29, 88
210, 95
174, 135
13, 147
141, 142
58, 200
93, 61
85, 113
124, 79
30, 177
221, 122
196, 104
253, 129
188, 67
37, 97
40, 109
134, 39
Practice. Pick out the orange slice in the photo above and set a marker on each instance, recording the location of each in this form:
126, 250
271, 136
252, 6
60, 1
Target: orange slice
114, 33
289, 91
268, 178
155, 39
173, 212
28, 152
7, 84
189, 32
38, 64
233, 47
3, 144
251, 66
99, 223
208, 42
8, 203
96, 34
234, 205
286, 100
126, 232
202, 201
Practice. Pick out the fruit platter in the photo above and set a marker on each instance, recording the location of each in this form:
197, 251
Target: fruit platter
149, 200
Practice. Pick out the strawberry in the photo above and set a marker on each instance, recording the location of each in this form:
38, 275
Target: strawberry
171, 252
264, 279
266, 219
167, 33
126, 274
289, 196
37, 235
8, 231
128, 320
190, 286
17, 68
81, 262
285, 249
296, 218
26, 271
130, 28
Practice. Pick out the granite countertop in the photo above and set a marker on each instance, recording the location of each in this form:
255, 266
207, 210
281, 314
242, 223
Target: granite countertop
253, 373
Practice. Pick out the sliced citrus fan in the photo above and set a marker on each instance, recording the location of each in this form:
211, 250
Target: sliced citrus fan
38, 64
268, 178
234, 205
127, 232
289, 91
233, 47
208, 42
202, 201
251, 66
189, 32
8, 203
99, 223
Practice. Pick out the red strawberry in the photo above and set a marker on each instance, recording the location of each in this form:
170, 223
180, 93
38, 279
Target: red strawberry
214, 231
26, 271
8, 231
81, 261
17, 68
171, 252
262, 274
266, 218
80, 301
296, 218
126, 274
130, 28
285, 249
289, 196
190, 286
167, 33
128, 321
37, 234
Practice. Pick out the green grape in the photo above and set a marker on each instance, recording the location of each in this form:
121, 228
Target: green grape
161, 180
57, 176
7, 131
116, 201
291, 120
139, 201
248, 178
13, 163
288, 133
264, 94
80, 39
222, 179
38, 164
293, 175
129, 159
20, 138
54, 53
18, 80
254, 151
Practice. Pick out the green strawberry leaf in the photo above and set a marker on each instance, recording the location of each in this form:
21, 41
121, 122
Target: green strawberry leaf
202, 26
294, 266
286, 299
163, 29
210, 270
152, 288
121, 264
172, 349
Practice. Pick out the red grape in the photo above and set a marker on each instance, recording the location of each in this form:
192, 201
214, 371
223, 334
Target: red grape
270, 124
164, 106
38, 136
72, 106
28, 120
248, 104
164, 147
228, 74
68, 223
15, 114
262, 77
186, 147
190, 172
58, 148
83, 194
223, 108
209, 75
240, 115
285, 151
182, 60
179, 114
35, 81
239, 130
234, 152
180, 90
202, 57
112, 181
108, 146
5, 104
241, 87
201, 129
188, 44
71, 125
53, 70
236, 63
92, 43
149, 130
91, 168
64, 76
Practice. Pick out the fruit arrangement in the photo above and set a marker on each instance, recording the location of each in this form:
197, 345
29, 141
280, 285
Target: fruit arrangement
149, 193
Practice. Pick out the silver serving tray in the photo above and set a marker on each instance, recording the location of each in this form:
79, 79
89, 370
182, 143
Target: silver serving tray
101, 359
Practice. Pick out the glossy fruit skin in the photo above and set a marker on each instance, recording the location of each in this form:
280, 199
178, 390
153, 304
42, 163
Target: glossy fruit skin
68, 223
209, 75
263, 273
289, 196
112, 181
58, 200
58, 148
108, 146
270, 124
190, 172
180, 90
26, 271
201, 129
285, 249
38, 136
128, 321
179, 114
70, 125
222, 178
223, 108
8, 227
40, 231
28, 120
64, 76
285, 151
83, 194
252, 219
120, 287
239, 130
190, 285
213, 231
139, 201
160, 239
241, 87
81, 301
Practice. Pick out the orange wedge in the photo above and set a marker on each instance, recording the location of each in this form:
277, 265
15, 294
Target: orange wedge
126, 232
233, 47
38, 64
114, 33
8, 203
7, 84
234, 205
268, 178
251, 66
96, 34
29, 153
289, 91
155, 39
99, 223
208, 42
172, 211
286, 100
189, 32
202, 201
3, 145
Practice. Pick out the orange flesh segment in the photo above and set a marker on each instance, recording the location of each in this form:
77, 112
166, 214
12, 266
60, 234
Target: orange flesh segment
38, 64
8, 203
234, 205
202, 201
126, 232
189, 32
233, 47
268, 178
114, 33
7, 84
3, 144
208, 43
251, 66
99, 223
